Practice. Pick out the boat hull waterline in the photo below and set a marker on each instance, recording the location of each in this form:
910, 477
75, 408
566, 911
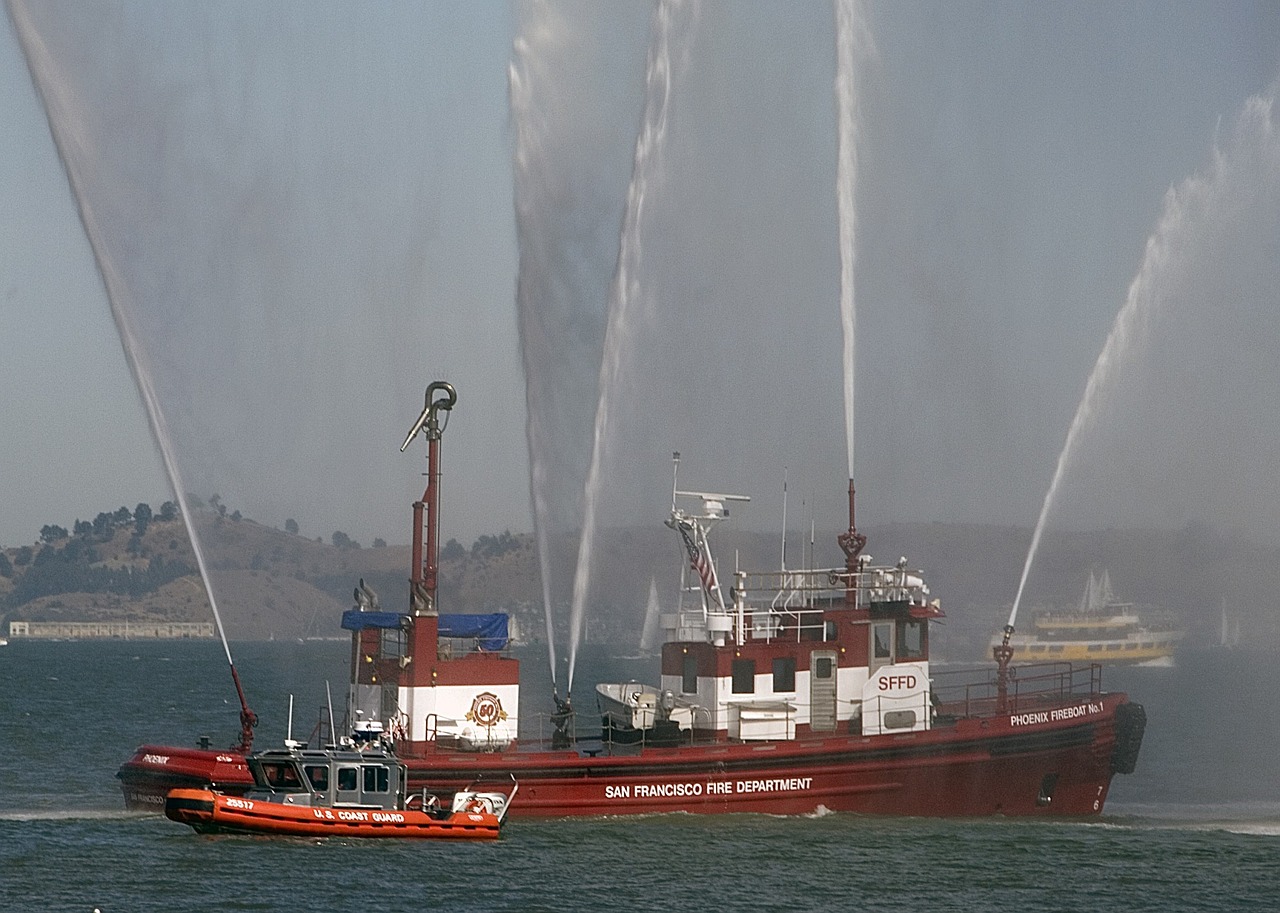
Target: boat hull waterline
977, 767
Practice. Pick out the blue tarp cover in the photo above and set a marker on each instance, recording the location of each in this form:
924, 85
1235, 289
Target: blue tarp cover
489, 630
355, 620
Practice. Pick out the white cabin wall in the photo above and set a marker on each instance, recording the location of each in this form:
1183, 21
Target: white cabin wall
452, 703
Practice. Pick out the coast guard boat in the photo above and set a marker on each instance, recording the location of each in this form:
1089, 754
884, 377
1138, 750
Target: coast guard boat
781, 692
353, 790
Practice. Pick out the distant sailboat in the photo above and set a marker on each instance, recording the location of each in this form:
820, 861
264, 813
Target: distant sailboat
1230, 633
652, 616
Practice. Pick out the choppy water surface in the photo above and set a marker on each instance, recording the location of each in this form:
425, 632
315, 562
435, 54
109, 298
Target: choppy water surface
1197, 827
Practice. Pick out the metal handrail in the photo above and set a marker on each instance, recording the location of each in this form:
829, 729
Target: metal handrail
1029, 686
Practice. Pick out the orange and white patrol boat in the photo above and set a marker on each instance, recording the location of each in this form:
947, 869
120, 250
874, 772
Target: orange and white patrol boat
354, 791
782, 692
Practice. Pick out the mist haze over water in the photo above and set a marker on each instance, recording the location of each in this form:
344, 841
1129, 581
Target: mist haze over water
311, 211
313, 215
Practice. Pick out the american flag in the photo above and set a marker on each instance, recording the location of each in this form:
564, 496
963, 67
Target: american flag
698, 561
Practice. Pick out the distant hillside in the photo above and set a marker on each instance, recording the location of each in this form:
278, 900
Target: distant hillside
268, 583
272, 583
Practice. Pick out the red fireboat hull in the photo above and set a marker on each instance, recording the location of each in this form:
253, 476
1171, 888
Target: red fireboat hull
154, 770
1056, 763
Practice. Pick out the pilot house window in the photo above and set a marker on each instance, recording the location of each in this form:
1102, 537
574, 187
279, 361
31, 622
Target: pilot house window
318, 774
882, 641
744, 676
911, 640
376, 779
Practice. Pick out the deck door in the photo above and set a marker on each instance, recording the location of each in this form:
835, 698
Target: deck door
822, 690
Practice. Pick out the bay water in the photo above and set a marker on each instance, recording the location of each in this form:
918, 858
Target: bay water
1196, 827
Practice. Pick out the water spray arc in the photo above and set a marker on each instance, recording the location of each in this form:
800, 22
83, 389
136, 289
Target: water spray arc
625, 293
61, 112
528, 152
852, 44
1144, 294
1249, 169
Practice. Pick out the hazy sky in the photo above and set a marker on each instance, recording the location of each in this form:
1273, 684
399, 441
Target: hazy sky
313, 212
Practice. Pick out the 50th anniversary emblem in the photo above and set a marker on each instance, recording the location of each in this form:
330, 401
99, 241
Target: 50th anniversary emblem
486, 709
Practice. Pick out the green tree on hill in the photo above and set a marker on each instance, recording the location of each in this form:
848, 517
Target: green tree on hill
141, 519
103, 526
342, 540
50, 534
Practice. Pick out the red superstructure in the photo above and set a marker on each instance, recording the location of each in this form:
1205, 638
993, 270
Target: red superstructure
781, 692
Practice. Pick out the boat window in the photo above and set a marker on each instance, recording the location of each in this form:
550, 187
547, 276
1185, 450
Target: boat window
318, 774
376, 778
883, 640
822, 667
281, 774
784, 674
811, 626
744, 676
689, 681
348, 779
392, 643
911, 640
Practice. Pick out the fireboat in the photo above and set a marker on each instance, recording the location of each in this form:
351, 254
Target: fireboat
788, 692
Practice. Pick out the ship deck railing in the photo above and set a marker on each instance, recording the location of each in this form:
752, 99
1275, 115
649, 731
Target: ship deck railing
1028, 687
788, 605
456, 647
816, 588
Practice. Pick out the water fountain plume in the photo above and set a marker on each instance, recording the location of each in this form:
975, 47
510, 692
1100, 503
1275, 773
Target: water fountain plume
853, 43
1248, 169
524, 150
668, 18
570, 166
73, 151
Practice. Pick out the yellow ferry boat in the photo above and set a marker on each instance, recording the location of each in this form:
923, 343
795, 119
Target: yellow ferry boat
1100, 630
